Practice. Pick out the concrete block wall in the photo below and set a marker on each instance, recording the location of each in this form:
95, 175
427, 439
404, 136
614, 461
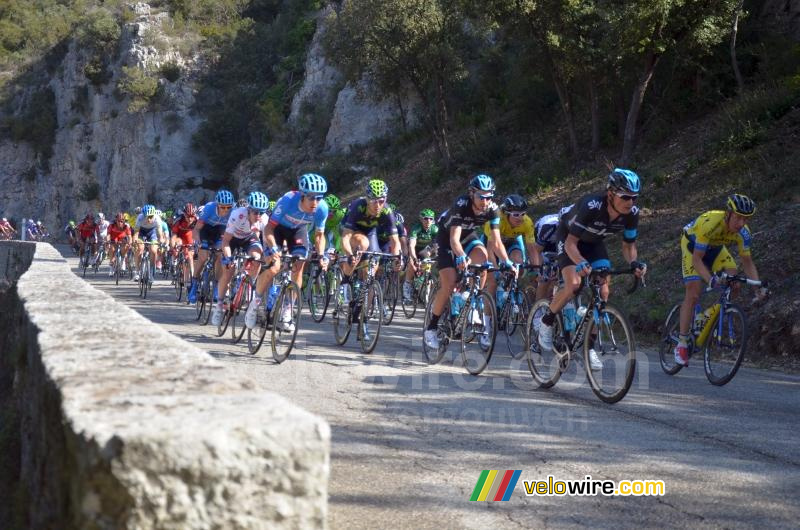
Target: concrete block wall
118, 424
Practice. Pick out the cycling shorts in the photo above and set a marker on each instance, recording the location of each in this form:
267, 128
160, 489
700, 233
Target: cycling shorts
295, 239
446, 259
595, 253
211, 236
247, 244
148, 234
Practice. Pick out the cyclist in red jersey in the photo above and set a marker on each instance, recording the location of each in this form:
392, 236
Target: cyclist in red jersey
182, 232
87, 232
119, 232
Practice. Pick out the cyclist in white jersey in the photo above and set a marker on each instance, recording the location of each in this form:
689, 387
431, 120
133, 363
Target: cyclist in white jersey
244, 229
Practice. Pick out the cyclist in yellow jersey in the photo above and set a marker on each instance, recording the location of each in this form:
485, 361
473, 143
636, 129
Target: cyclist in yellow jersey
704, 253
516, 233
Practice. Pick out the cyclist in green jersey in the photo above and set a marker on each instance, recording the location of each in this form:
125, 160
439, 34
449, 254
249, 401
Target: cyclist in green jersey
421, 244
335, 217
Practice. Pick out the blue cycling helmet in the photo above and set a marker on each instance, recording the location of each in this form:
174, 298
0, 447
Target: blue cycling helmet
148, 210
225, 198
312, 183
624, 180
482, 183
258, 201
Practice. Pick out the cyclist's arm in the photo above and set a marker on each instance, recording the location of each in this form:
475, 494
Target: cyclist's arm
196, 230
629, 251
571, 248
226, 244
319, 242
749, 266
394, 244
412, 248
536, 256
269, 236
347, 234
533, 254
496, 244
455, 241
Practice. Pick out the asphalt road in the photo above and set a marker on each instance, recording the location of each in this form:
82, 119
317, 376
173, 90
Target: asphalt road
410, 440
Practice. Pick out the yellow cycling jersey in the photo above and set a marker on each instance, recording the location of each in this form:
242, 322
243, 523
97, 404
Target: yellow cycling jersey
510, 232
130, 219
709, 231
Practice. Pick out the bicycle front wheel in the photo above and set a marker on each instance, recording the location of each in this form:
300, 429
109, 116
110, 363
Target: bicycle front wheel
669, 339
371, 317
318, 296
724, 350
285, 321
515, 325
239, 305
611, 336
478, 332
178, 279
209, 294
389, 298
546, 366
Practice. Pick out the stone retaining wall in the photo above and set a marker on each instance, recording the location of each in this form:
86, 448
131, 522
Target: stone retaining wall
111, 422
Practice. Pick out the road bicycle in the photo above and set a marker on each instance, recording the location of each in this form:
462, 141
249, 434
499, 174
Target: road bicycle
390, 284
241, 293
365, 306
119, 261
146, 270
179, 271
282, 313
207, 287
99, 257
470, 318
512, 310
720, 332
315, 285
423, 286
598, 326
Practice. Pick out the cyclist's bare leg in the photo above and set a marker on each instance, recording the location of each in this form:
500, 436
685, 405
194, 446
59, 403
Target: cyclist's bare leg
572, 282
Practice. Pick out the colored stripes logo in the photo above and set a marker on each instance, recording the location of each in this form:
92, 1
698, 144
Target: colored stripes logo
494, 485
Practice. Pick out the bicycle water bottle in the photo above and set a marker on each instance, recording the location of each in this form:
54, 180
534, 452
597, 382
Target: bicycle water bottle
501, 297
699, 319
569, 316
456, 303
581, 312
273, 295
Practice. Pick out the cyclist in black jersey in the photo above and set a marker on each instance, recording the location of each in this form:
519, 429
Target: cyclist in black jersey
580, 243
459, 245
546, 230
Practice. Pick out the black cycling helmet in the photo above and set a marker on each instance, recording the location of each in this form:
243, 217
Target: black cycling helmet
741, 204
515, 203
624, 180
482, 182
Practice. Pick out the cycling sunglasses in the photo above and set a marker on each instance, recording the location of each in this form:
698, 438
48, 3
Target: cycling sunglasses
516, 214
625, 197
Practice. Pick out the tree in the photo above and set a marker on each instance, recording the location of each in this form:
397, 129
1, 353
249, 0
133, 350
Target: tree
401, 44
647, 29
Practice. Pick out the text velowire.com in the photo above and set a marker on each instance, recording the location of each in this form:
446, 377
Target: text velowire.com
589, 487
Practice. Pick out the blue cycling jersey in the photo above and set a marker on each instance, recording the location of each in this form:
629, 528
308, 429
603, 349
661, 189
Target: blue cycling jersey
288, 213
210, 217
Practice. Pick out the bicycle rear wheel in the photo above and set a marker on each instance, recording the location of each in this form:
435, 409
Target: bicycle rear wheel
286, 321
371, 317
478, 332
200, 301
669, 339
724, 349
389, 296
342, 317
211, 289
410, 306
615, 345
318, 296
239, 305
146, 270
545, 366
178, 279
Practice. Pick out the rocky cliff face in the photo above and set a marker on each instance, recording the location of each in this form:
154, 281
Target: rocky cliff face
104, 157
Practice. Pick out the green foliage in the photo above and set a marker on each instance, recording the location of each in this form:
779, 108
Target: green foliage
262, 47
28, 28
171, 71
97, 71
138, 86
99, 30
